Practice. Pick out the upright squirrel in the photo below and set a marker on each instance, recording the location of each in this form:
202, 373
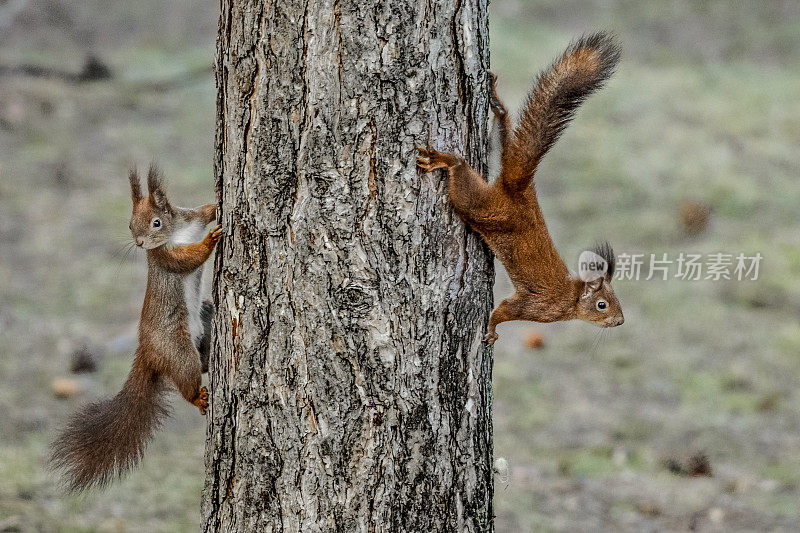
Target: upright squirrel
104, 439
507, 213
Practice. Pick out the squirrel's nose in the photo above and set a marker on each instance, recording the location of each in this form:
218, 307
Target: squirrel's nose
139, 242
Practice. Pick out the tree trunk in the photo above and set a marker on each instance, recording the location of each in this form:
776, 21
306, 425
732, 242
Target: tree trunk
350, 387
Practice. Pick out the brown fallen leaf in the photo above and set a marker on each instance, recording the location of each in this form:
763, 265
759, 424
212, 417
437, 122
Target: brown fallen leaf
534, 340
83, 360
694, 217
64, 388
649, 508
699, 465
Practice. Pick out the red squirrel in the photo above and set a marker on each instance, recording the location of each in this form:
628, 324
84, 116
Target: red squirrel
507, 214
105, 439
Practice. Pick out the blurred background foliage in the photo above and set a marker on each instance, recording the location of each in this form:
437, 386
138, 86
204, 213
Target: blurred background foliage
684, 418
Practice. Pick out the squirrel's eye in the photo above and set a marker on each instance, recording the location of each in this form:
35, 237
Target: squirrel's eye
156, 223
602, 305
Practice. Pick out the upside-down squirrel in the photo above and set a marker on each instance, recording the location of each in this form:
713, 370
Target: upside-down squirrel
507, 214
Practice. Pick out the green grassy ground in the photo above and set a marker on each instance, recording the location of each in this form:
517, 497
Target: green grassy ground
703, 107
706, 367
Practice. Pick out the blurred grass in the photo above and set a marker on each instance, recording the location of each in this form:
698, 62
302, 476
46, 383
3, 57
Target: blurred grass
704, 107
64, 211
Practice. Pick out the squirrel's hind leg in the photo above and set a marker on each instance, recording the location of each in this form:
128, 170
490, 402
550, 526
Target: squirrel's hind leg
204, 343
469, 192
188, 376
501, 115
471, 195
430, 160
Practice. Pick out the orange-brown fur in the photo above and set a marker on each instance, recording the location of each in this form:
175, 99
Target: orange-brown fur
106, 438
507, 213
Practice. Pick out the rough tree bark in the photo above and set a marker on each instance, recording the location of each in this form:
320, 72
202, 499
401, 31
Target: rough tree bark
351, 390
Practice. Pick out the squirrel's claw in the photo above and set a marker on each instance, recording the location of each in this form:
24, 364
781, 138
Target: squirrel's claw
201, 401
490, 337
494, 100
214, 236
428, 160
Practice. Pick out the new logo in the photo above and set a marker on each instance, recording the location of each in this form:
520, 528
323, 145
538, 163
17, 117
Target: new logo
591, 266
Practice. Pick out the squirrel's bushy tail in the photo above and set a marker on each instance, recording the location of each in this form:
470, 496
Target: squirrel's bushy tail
104, 439
557, 93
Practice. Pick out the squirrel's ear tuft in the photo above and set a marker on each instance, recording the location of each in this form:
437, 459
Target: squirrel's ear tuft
155, 186
605, 251
136, 186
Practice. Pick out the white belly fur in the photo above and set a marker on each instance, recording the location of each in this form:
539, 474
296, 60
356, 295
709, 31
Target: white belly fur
186, 234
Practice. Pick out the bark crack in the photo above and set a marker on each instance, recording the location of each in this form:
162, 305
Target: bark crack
357, 292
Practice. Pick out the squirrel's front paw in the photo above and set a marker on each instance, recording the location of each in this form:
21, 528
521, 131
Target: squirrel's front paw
209, 212
201, 400
213, 236
429, 159
490, 337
